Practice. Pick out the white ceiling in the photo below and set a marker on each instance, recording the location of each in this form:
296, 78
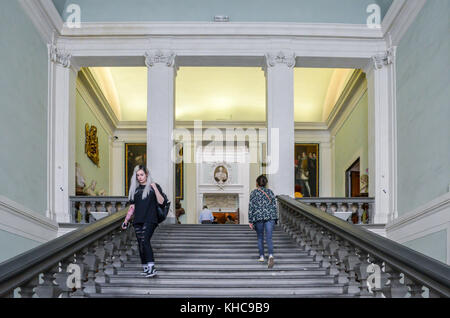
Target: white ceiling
222, 93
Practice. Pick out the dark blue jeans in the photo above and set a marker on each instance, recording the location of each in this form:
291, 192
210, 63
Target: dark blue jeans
261, 227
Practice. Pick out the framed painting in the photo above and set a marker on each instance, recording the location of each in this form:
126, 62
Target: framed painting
179, 174
306, 170
135, 154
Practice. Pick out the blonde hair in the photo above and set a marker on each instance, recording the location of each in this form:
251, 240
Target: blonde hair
134, 182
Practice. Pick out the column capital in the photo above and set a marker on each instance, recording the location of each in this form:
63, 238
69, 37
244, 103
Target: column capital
58, 56
383, 59
280, 58
159, 57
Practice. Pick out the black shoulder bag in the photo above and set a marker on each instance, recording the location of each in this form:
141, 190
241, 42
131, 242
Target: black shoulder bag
163, 209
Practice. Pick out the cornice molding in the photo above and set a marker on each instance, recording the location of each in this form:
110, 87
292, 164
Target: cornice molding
102, 107
19, 220
58, 56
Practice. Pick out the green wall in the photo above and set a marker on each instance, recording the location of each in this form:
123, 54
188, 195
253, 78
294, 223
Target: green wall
433, 245
321, 11
23, 119
423, 112
352, 138
89, 169
23, 105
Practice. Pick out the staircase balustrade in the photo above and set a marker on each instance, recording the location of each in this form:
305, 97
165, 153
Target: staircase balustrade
368, 264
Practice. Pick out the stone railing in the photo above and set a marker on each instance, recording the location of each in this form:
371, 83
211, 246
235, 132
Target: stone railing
367, 264
72, 265
359, 210
82, 206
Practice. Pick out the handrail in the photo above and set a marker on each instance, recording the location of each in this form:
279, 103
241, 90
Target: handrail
424, 269
26, 266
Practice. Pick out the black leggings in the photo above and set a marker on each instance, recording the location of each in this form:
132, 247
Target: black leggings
144, 232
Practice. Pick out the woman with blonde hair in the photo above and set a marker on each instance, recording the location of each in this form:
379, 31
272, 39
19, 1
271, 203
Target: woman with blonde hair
144, 195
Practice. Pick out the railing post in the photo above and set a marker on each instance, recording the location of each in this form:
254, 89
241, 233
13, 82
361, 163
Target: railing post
27, 289
48, 289
394, 289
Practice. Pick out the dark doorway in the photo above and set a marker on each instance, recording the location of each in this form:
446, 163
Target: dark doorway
352, 182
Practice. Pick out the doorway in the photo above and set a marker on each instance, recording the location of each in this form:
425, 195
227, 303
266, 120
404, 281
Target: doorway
352, 180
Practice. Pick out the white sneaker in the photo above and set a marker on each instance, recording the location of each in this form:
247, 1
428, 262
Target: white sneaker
270, 262
261, 259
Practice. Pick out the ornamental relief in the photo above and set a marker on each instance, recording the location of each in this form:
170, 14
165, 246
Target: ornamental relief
91, 145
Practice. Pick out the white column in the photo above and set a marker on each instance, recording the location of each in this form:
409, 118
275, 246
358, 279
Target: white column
160, 122
61, 134
382, 135
117, 168
280, 122
325, 171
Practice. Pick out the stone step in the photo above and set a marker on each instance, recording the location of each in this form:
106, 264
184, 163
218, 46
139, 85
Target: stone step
215, 273
223, 246
220, 261
253, 250
222, 254
201, 266
231, 281
173, 295
189, 291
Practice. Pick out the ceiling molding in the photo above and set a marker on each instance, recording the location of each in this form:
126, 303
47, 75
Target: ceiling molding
44, 16
86, 78
399, 18
131, 125
355, 80
338, 30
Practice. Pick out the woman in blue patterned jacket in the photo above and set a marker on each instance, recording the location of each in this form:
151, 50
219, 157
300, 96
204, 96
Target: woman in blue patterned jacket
262, 215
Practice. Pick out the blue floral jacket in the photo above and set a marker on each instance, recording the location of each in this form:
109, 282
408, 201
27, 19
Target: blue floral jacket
262, 207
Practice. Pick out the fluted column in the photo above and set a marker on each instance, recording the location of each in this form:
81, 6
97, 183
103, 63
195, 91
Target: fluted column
382, 134
61, 133
279, 73
160, 121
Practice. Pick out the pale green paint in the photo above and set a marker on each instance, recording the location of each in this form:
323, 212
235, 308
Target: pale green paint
423, 111
351, 139
23, 109
307, 11
433, 245
90, 170
12, 245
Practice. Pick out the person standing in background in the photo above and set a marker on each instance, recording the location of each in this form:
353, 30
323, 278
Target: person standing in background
206, 216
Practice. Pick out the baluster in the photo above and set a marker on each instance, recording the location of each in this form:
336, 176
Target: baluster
360, 213
319, 246
117, 262
395, 289
83, 212
340, 254
62, 277
339, 206
331, 249
109, 247
103, 204
362, 273
73, 211
378, 279
123, 246
48, 289
27, 289
351, 262
102, 255
79, 261
328, 204
123, 205
91, 262
326, 257
415, 288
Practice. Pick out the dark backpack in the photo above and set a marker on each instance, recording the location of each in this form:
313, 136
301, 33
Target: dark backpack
163, 209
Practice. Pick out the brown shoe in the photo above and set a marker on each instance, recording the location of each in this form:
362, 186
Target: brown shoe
270, 262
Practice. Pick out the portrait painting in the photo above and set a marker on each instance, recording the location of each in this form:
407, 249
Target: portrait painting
306, 170
135, 154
